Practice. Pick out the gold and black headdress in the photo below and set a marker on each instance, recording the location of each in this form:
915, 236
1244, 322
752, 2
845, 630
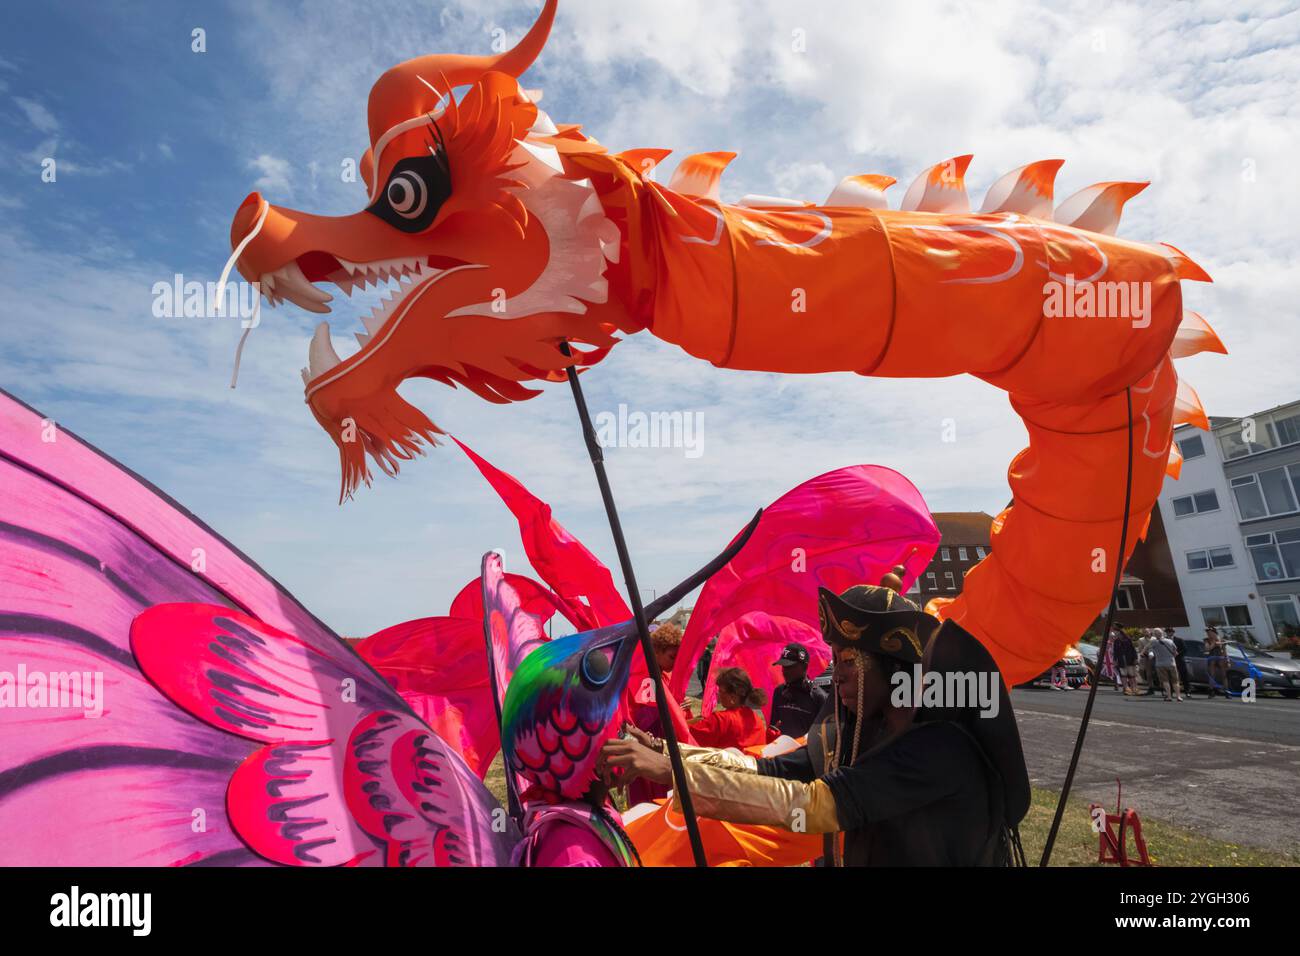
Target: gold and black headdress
876, 620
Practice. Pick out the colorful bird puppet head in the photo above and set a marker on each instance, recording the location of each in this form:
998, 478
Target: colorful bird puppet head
564, 698
493, 256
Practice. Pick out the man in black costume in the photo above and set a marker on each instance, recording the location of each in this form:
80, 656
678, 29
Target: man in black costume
891, 775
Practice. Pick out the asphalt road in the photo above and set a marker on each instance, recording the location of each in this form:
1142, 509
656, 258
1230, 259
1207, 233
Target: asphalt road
1225, 768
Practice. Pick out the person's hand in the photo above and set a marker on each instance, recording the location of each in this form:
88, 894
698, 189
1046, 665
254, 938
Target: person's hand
634, 760
643, 738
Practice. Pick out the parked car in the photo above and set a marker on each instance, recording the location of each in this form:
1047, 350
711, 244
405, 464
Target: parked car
1077, 672
823, 680
1270, 671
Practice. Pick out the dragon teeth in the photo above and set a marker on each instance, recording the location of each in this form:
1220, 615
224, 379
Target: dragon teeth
321, 356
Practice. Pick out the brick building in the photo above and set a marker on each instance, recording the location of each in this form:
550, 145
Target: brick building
963, 544
1149, 596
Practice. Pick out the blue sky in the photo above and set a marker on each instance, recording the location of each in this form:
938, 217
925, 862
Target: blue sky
156, 145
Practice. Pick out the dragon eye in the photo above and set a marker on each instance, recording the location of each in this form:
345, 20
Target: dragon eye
596, 666
407, 194
416, 189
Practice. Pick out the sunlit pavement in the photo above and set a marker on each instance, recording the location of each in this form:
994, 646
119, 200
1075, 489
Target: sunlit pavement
1226, 768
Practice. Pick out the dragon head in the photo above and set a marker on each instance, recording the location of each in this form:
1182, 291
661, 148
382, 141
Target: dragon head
496, 258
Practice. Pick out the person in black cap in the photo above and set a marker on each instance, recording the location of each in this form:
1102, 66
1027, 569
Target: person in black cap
891, 779
797, 702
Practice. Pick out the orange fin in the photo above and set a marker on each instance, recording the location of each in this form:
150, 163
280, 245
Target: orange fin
941, 188
1194, 336
1098, 207
1027, 190
644, 159
1188, 409
1184, 267
1174, 467
700, 174
866, 191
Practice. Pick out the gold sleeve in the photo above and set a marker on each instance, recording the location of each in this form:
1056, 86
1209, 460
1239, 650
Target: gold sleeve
712, 757
749, 798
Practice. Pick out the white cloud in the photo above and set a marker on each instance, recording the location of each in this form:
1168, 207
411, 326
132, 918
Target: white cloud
37, 114
276, 174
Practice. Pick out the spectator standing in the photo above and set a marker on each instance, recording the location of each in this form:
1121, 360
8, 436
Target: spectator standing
1109, 670
1184, 675
1164, 657
797, 702
1146, 662
1126, 658
1216, 662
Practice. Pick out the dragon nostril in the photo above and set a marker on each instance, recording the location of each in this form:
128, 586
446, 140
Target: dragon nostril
245, 217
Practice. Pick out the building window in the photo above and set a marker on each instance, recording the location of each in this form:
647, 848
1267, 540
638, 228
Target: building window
1285, 431
1210, 559
980, 553
949, 581
931, 581
1227, 616
1270, 432
1267, 493
945, 554
1234, 445
1131, 597
1192, 447
1198, 503
962, 555
1276, 554
1284, 616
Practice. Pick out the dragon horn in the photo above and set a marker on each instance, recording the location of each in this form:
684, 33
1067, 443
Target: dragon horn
406, 90
460, 69
661, 604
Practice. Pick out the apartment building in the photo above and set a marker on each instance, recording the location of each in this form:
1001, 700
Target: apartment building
1233, 523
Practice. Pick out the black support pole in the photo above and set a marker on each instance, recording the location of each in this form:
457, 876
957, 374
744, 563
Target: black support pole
638, 611
1101, 651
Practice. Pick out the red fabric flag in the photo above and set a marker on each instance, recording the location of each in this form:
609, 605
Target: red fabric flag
560, 559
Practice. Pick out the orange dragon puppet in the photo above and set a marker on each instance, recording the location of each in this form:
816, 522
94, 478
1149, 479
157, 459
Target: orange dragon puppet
509, 238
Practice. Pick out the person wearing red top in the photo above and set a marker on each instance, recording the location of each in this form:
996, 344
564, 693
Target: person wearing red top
738, 724
666, 638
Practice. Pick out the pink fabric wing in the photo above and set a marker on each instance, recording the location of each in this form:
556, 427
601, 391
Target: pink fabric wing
537, 599
849, 526
753, 642
560, 559
116, 773
438, 666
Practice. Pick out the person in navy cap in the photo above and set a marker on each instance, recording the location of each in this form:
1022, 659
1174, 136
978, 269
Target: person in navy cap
797, 702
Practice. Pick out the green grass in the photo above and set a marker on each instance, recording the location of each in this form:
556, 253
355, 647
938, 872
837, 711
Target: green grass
1167, 843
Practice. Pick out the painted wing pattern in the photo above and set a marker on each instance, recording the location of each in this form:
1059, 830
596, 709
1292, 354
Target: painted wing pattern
164, 702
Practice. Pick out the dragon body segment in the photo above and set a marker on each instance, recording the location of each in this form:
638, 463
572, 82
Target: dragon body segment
510, 236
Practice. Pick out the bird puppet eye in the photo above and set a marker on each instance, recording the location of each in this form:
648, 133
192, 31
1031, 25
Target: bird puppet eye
596, 665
